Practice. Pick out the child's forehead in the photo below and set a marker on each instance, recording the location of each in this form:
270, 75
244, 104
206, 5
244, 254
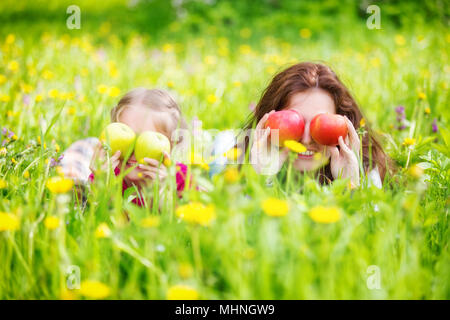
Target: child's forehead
141, 118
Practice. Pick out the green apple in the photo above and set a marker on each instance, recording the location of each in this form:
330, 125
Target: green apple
151, 144
119, 137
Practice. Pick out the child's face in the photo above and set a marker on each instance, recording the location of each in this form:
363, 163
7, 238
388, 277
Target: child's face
140, 119
309, 104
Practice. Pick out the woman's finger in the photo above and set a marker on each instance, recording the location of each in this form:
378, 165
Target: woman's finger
354, 138
334, 153
263, 120
344, 148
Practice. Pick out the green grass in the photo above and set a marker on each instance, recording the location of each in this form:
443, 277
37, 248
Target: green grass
215, 70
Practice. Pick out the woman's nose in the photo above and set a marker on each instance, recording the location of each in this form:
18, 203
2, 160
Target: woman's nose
306, 138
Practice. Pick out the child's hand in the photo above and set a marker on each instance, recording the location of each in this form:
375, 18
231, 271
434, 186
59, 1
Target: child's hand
344, 161
100, 156
153, 170
265, 158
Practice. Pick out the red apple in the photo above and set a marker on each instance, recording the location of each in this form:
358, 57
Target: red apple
289, 123
326, 128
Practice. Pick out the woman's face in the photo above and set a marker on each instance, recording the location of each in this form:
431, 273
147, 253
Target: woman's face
309, 104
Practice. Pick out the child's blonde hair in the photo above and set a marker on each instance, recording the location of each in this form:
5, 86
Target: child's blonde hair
156, 99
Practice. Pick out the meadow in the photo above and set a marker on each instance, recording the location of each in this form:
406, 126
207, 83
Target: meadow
243, 239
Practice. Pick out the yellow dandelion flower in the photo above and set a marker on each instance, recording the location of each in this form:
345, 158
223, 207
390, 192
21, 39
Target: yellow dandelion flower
275, 207
185, 270
13, 66
322, 214
102, 89
3, 184
10, 38
427, 110
150, 222
295, 146
182, 292
8, 222
14, 137
4, 97
67, 295
245, 49
167, 47
113, 92
415, 171
212, 98
196, 212
84, 72
71, 111
409, 141
317, 156
113, 72
47, 74
231, 175
94, 289
2, 79
362, 122
375, 62
53, 93
271, 70
59, 184
421, 96
52, 222
400, 40
26, 174
3, 152
237, 84
39, 98
233, 154
14, 161
67, 95
102, 231
210, 60
26, 88
305, 33
170, 84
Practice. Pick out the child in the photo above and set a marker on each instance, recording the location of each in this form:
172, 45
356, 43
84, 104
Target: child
142, 110
310, 89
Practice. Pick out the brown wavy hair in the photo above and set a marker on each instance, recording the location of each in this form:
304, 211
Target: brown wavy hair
306, 75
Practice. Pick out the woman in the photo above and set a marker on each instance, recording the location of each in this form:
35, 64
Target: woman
310, 89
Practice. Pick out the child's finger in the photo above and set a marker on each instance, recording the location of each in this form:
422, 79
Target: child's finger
151, 162
116, 155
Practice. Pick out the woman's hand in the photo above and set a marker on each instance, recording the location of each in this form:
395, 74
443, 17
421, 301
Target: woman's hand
153, 169
265, 157
100, 156
344, 161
